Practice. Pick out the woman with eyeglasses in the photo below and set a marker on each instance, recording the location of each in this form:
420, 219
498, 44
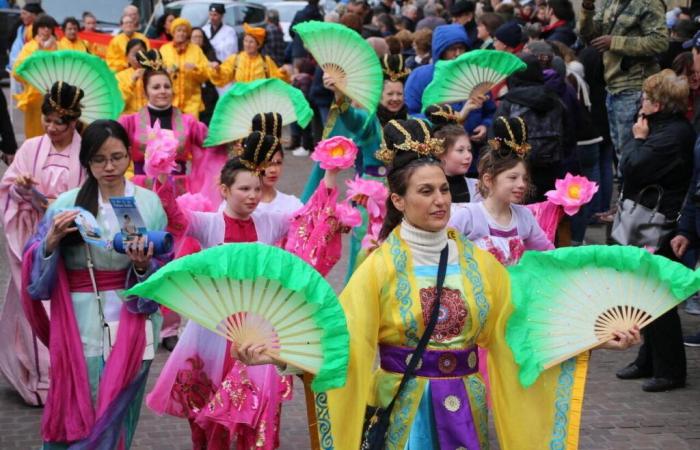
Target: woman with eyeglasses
43, 168
101, 342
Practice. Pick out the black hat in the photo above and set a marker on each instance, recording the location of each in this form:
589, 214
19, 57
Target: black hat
257, 151
531, 76
509, 33
268, 123
217, 7
394, 68
64, 99
407, 140
34, 8
509, 137
441, 115
462, 7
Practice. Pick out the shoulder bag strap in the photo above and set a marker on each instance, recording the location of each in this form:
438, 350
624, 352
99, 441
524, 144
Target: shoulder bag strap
425, 338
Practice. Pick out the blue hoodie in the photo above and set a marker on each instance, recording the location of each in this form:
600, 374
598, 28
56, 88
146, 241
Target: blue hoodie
444, 37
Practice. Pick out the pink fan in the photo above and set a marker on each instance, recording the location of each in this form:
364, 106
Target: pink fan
372, 194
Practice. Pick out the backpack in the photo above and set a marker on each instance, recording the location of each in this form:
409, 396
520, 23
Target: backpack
545, 133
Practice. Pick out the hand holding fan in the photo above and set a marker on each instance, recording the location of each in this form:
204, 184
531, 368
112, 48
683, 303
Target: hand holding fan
257, 293
80, 69
583, 294
234, 111
471, 75
347, 58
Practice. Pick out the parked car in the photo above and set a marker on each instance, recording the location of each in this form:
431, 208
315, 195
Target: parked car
197, 12
287, 9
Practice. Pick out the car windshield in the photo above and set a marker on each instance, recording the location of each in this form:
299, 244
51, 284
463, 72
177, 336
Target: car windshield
106, 11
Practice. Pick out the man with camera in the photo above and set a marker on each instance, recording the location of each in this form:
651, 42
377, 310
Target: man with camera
629, 33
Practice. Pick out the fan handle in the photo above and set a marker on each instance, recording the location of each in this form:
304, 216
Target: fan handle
339, 77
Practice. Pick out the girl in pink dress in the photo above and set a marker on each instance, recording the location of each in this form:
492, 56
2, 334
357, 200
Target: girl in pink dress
223, 399
43, 168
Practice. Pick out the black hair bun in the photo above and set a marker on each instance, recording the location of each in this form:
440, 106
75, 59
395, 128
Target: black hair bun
65, 99
268, 123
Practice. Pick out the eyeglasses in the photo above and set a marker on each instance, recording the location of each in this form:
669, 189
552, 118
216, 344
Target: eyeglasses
101, 161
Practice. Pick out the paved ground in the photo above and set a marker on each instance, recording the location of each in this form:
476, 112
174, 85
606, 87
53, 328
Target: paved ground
617, 415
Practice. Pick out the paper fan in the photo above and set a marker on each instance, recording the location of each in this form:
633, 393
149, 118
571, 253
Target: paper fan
581, 295
473, 73
88, 72
259, 293
347, 58
233, 114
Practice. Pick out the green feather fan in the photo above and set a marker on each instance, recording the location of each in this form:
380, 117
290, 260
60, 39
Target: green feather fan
260, 294
570, 300
102, 98
472, 74
233, 114
347, 58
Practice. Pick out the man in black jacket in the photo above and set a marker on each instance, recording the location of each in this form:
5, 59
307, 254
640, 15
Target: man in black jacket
8, 144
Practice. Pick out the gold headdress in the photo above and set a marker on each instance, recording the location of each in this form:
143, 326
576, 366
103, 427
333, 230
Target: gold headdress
151, 60
394, 68
425, 147
72, 109
521, 149
257, 151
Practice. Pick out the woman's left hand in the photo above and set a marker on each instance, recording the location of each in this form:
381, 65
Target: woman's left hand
140, 254
640, 129
251, 354
622, 340
479, 133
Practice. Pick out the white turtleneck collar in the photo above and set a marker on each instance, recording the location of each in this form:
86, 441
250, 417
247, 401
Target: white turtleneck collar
427, 241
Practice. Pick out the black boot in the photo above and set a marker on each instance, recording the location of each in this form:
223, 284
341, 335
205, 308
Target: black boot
632, 372
662, 384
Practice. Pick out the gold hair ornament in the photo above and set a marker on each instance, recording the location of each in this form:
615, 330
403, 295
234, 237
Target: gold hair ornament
521, 149
431, 146
72, 110
156, 64
392, 74
258, 169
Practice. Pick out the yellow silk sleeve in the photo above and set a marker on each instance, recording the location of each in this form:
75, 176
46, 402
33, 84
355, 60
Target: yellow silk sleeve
548, 413
201, 72
275, 71
223, 74
116, 56
360, 300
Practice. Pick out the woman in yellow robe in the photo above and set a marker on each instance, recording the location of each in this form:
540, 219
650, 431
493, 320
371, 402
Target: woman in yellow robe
131, 79
188, 68
249, 64
70, 39
30, 99
387, 304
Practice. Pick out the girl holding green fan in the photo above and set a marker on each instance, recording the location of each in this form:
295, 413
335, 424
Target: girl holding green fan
200, 371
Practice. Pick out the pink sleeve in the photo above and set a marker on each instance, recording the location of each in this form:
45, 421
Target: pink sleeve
536, 239
178, 219
314, 232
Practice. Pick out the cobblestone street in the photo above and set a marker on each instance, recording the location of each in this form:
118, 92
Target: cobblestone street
617, 415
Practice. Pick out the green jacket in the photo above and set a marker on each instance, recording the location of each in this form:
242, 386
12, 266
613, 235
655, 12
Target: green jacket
637, 37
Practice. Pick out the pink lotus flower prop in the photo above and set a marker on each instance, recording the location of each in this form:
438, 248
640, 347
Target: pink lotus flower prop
335, 153
369, 193
572, 192
195, 202
161, 151
348, 215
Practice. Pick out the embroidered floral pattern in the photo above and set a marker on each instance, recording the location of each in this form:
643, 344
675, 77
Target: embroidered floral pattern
515, 251
452, 313
193, 387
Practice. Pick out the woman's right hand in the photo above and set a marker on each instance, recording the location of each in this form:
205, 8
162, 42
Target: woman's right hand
25, 181
329, 83
679, 245
214, 65
62, 225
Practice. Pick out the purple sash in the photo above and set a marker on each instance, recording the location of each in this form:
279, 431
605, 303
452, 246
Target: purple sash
454, 422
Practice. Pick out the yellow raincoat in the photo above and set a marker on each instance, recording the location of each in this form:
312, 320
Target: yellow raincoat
30, 99
116, 50
241, 67
382, 303
132, 91
187, 83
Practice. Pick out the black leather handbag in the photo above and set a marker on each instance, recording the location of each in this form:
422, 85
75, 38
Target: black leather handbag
376, 424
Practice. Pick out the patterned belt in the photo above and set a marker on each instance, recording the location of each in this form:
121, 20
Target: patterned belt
433, 364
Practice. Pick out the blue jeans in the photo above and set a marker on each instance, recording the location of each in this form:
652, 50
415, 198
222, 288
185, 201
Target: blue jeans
622, 114
588, 157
